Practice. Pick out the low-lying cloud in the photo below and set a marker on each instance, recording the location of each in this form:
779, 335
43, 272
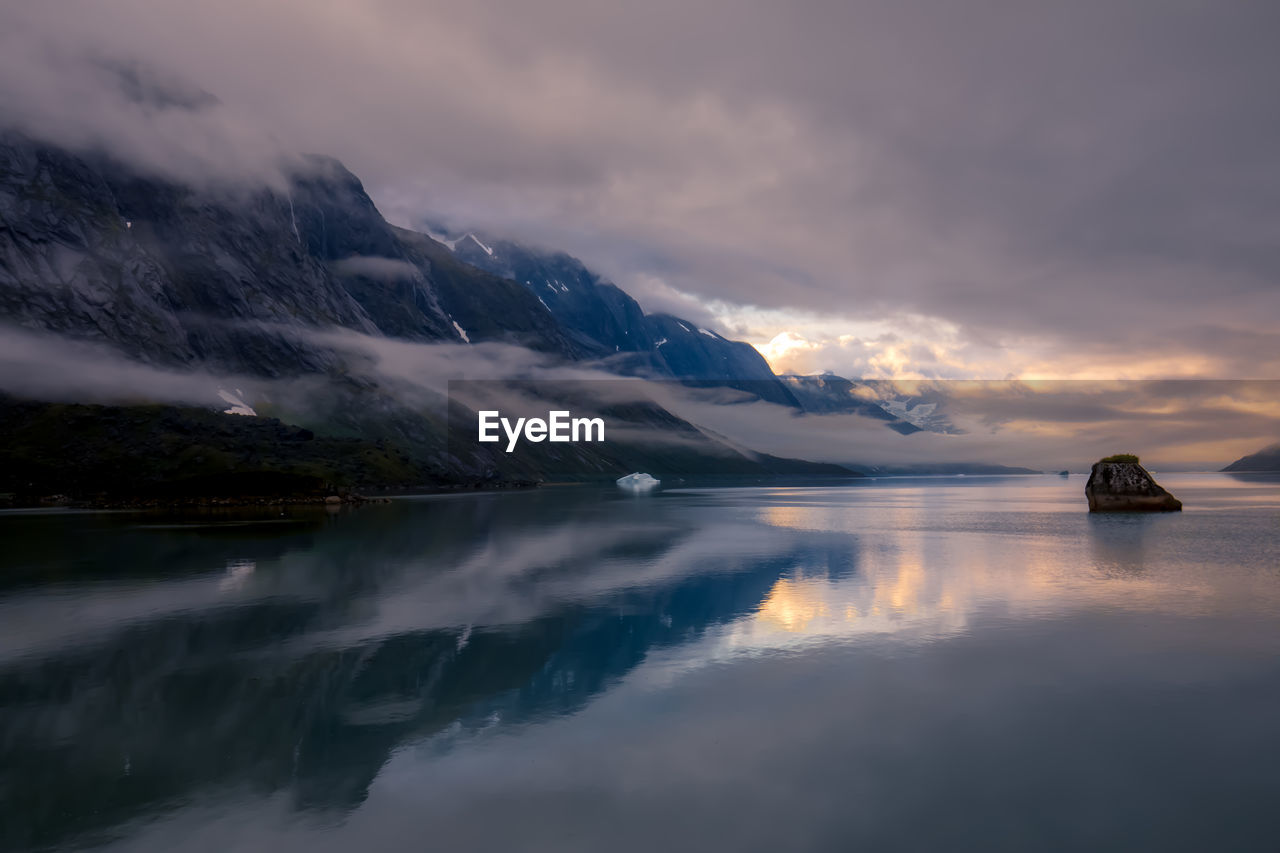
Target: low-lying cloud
1185, 425
44, 366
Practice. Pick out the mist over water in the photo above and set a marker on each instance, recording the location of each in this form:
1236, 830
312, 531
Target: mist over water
899, 664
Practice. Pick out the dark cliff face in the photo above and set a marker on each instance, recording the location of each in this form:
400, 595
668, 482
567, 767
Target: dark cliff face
486, 306
1126, 487
231, 278
611, 327
602, 318
693, 353
70, 263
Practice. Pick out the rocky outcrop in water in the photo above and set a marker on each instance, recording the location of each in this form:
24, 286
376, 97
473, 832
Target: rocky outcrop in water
1123, 486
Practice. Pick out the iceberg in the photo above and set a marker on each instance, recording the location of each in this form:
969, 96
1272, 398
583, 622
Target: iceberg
637, 482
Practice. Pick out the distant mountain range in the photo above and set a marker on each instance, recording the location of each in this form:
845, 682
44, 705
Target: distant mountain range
883, 399
1265, 460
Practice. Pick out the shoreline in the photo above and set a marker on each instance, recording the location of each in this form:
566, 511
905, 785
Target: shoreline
333, 499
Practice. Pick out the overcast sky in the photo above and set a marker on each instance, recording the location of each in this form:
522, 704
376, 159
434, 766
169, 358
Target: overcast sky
882, 187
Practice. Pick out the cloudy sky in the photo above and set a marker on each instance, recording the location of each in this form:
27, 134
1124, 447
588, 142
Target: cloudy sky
875, 187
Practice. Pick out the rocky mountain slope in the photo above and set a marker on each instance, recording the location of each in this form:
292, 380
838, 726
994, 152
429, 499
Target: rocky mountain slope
232, 278
251, 279
611, 326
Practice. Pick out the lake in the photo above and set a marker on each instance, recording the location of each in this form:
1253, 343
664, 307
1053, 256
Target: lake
903, 664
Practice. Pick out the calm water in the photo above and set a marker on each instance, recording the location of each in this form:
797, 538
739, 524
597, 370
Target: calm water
917, 665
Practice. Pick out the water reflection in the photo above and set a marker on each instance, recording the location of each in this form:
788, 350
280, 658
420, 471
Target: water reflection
147, 664
304, 658
1119, 541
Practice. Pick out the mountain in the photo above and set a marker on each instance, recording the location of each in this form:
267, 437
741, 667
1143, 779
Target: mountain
611, 325
924, 408
1266, 459
232, 278
921, 409
243, 280
829, 394
235, 278
705, 358
251, 280
599, 316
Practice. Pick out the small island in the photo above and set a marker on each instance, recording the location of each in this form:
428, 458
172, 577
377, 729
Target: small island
1119, 483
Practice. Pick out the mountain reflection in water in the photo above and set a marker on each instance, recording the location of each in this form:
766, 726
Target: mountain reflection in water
162, 674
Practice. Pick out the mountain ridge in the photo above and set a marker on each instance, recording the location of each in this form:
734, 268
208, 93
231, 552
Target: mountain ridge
613, 326
248, 280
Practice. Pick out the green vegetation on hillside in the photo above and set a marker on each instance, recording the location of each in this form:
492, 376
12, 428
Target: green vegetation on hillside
1120, 457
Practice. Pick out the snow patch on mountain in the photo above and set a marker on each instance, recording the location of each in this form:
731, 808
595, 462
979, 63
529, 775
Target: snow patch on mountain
917, 414
238, 405
486, 249
440, 238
